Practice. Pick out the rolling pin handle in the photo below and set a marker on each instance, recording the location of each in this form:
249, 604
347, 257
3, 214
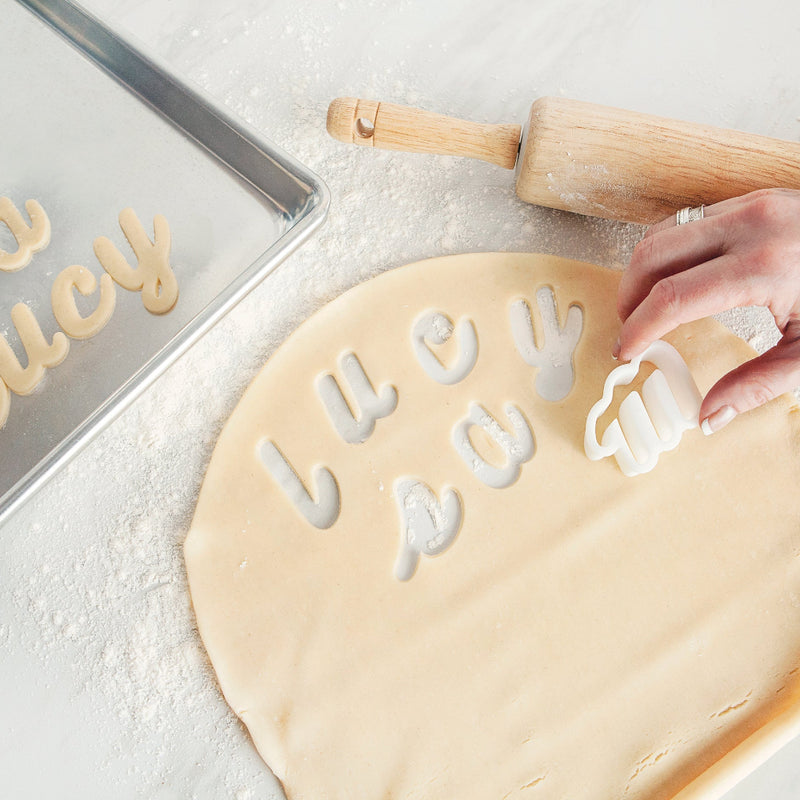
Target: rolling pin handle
393, 127
353, 121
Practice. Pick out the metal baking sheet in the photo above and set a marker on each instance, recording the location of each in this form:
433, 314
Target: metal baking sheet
91, 125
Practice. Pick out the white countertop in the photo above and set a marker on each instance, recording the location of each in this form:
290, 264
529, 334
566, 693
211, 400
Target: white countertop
105, 689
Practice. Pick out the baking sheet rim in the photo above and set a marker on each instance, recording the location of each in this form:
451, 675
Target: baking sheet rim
307, 221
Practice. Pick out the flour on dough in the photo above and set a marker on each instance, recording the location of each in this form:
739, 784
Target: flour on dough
495, 616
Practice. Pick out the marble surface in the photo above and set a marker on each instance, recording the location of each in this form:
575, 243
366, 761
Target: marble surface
104, 686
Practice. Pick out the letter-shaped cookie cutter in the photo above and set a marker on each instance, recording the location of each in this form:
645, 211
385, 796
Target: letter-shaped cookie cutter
648, 424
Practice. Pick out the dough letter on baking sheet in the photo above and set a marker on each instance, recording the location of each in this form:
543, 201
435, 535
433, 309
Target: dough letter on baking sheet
518, 446
554, 357
371, 405
23, 380
153, 274
30, 238
427, 527
5, 402
434, 327
66, 311
323, 511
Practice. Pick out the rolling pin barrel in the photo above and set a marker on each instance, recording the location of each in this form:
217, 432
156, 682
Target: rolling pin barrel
587, 158
636, 167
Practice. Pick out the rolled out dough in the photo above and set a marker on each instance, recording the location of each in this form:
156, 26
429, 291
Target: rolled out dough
391, 619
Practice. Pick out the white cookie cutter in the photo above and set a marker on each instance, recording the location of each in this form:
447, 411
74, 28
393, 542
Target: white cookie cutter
648, 424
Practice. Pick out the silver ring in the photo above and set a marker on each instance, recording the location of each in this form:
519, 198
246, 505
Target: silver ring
689, 214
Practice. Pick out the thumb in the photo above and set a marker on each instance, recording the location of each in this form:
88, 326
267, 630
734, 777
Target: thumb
753, 383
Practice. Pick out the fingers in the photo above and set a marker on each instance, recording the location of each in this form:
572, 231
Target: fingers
682, 297
667, 252
753, 383
745, 251
713, 210
668, 248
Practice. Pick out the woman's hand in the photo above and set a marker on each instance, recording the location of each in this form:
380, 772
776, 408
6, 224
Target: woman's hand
744, 252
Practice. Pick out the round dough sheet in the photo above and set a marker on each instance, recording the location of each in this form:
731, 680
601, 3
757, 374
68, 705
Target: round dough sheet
412, 582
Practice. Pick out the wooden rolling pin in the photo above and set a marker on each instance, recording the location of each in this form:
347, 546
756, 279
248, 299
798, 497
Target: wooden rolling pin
586, 158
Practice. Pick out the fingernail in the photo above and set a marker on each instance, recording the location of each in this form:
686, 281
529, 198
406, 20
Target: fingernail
718, 420
615, 350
